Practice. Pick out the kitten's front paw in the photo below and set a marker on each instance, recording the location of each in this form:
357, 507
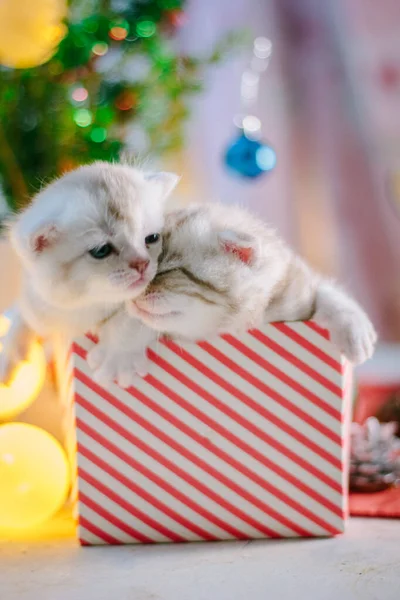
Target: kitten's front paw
355, 336
121, 367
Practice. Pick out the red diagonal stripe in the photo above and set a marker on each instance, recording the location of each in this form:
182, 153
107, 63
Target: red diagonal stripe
282, 400
237, 442
320, 330
307, 345
178, 471
193, 458
213, 449
231, 461
260, 433
289, 381
146, 472
270, 416
102, 512
127, 506
189, 479
165, 531
247, 376
294, 360
84, 542
133, 510
106, 537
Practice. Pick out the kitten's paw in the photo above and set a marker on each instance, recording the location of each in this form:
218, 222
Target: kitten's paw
355, 336
121, 367
130, 369
96, 356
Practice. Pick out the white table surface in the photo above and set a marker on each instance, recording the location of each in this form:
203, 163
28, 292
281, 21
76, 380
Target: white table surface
362, 564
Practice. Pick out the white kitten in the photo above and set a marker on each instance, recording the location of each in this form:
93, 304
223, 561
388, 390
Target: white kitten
88, 241
223, 270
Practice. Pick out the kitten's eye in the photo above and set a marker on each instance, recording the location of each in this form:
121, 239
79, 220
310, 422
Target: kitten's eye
152, 239
101, 251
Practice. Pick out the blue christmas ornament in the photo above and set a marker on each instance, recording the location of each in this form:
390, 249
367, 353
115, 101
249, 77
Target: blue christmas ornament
250, 158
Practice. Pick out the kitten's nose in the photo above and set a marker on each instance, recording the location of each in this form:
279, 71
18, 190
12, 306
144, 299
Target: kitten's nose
139, 265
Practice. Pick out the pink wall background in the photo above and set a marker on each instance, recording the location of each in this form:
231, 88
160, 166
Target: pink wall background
330, 106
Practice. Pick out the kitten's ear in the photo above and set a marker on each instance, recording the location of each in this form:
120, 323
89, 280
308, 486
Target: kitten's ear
43, 237
165, 181
240, 247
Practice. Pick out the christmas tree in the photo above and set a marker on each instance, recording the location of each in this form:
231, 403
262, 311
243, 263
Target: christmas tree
103, 76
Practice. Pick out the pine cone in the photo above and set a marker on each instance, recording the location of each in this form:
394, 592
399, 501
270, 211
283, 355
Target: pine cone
375, 456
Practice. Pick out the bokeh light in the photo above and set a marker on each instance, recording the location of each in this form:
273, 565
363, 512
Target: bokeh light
266, 158
145, 28
25, 385
98, 134
262, 47
100, 48
251, 125
118, 33
125, 101
83, 117
80, 94
30, 31
26, 381
34, 475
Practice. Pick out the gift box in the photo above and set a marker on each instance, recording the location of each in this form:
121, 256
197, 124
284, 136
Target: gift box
234, 438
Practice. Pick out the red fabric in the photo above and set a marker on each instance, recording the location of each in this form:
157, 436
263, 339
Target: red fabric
380, 504
370, 399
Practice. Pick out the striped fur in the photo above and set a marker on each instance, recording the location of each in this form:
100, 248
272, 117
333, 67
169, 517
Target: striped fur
221, 270
199, 272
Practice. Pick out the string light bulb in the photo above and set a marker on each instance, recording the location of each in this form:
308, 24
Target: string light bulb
34, 475
26, 381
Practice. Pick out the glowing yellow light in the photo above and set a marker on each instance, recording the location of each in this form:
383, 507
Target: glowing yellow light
25, 385
34, 476
30, 31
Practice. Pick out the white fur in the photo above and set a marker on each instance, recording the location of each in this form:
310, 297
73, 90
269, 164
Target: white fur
66, 289
120, 354
274, 285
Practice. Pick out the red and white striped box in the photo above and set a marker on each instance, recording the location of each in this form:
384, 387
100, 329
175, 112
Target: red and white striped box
238, 438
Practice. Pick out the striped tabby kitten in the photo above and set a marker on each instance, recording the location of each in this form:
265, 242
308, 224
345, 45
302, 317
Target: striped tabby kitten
223, 270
